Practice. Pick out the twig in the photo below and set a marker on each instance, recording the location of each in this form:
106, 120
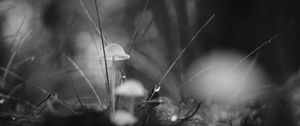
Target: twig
43, 100
85, 78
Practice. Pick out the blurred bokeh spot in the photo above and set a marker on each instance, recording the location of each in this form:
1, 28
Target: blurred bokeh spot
225, 78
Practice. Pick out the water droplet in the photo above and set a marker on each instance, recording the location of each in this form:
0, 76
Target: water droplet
157, 88
174, 118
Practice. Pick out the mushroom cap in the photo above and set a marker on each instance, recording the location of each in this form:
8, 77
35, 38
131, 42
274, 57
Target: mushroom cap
122, 118
131, 88
115, 50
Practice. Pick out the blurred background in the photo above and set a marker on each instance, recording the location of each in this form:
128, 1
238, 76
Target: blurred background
153, 32
244, 25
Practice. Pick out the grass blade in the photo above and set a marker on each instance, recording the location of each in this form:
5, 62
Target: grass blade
99, 30
241, 61
184, 49
135, 34
85, 78
136, 31
74, 87
255, 50
103, 49
12, 57
39, 88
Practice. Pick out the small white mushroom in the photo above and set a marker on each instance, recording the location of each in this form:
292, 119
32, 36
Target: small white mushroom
113, 52
122, 118
131, 88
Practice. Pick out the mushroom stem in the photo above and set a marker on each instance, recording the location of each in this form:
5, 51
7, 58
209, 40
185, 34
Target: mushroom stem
113, 87
132, 103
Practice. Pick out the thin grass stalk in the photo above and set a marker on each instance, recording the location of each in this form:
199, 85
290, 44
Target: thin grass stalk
18, 33
26, 60
96, 28
241, 61
86, 79
136, 31
36, 86
99, 30
255, 50
183, 50
12, 57
74, 87
63, 104
103, 49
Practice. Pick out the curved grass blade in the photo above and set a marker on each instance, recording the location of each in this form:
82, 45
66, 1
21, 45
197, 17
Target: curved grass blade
39, 88
184, 49
241, 61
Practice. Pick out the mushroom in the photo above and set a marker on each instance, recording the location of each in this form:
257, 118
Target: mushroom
131, 88
114, 52
123, 118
